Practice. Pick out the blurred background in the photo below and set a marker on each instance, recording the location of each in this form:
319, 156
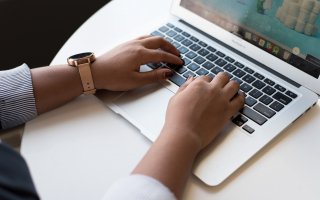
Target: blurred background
33, 31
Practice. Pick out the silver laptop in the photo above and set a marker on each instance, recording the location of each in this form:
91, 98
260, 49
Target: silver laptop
270, 47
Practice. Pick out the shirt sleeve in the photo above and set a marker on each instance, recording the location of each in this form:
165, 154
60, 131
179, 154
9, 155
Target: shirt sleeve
138, 187
17, 102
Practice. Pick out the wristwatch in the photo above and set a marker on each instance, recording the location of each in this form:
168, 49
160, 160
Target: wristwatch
83, 62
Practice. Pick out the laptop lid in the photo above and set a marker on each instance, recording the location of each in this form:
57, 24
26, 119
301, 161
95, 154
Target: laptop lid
284, 35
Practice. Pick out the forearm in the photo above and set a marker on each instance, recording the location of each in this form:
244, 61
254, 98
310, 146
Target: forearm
54, 86
170, 160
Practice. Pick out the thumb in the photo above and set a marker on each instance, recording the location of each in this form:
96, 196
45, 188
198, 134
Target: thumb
154, 75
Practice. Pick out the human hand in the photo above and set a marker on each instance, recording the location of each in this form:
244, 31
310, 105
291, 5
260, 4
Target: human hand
118, 69
202, 107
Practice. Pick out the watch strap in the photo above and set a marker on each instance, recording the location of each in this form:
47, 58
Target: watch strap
86, 78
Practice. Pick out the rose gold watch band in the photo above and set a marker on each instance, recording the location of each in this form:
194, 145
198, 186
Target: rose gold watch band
83, 63
86, 78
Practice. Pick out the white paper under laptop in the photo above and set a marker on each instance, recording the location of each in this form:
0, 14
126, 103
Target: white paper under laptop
270, 47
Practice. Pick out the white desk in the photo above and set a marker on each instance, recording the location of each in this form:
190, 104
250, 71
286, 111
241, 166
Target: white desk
78, 150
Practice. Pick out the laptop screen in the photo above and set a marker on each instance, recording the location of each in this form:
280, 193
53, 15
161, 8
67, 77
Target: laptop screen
287, 29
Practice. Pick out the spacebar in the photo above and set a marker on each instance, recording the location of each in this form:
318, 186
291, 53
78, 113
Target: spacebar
253, 115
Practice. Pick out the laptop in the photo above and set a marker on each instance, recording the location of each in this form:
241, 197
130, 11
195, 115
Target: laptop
270, 47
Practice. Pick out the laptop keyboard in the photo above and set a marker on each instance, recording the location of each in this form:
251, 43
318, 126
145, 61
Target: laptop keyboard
264, 97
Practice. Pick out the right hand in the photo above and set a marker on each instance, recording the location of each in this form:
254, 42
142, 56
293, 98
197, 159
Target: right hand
202, 107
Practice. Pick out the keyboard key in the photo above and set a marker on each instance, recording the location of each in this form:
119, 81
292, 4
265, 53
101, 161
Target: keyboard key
202, 44
183, 50
259, 76
255, 93
178, 29
170, 25
239, 73
229, 59
237, 80
191, 55
164, 29
248, 78
220, 62
249, 70
282, 98
179, 38
264, 110
248, 129
169, 39
258, 84
245, 87
199, 60
195, 47
185, 34
212, 57
250, 101
157, 33
239, 120
178, 80
193, 67
266, 99
194, 39
216, 70
186, 42
210, 48
203, 52
268, 90
291, 94
181, 70
155, 65
202, 72
276, 106
219, 53
280, 88
171, 33
188, 74
208, 65
186, 61
176, 44
269, 82
229, 67
253, 115
211, 75
240, 65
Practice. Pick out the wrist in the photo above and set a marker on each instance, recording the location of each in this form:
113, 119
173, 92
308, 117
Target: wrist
182, 137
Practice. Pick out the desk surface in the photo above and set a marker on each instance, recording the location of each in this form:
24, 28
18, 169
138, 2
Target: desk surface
77, 151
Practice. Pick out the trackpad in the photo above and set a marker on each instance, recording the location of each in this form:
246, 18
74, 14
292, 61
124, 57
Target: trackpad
145, 108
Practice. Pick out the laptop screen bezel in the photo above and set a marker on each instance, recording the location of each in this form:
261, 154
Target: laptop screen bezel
241, 45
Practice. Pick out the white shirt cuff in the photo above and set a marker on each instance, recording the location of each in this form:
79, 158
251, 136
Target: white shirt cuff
138, 187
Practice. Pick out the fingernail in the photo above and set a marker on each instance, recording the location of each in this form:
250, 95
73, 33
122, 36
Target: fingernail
168, 74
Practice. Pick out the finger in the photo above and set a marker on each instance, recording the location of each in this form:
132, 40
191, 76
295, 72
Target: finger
154, 56
237, 103
221, 79
157, 42
205, 78
231, 89
153, 76
186, 84
143, 37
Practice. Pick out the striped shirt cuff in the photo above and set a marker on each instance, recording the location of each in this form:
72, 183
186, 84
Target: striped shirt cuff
17, 102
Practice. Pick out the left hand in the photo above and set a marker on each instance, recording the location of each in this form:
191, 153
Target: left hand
118, 69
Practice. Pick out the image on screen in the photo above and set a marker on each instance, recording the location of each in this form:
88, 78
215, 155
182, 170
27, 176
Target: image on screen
287, 29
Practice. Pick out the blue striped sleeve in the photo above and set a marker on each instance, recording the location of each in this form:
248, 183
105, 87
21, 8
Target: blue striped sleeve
17, 102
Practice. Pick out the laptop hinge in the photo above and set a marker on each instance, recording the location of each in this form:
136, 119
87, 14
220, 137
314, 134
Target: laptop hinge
243, 55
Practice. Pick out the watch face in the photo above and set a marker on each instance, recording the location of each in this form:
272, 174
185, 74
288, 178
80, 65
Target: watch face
81, 55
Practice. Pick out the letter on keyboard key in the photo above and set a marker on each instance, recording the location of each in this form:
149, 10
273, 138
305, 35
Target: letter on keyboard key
253, 115
282, 98
178, 80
